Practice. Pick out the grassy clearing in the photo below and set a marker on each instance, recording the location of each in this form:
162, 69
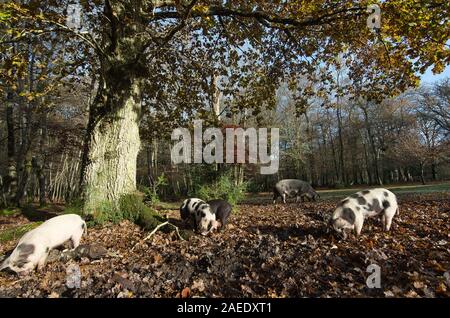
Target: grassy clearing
17, 232
404, 189
335, 194
9, 211
168, 205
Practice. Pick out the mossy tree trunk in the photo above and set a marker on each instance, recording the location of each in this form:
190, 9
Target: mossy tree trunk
112, 141
113, 144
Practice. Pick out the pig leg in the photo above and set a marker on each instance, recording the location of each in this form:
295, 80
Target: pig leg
43, 260
194, 224
76, 240
388, 220
223, 223
383, 221
284, 197
275, 196
388, 223
358, 225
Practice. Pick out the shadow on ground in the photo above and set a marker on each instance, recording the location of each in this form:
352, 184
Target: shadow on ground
37, 214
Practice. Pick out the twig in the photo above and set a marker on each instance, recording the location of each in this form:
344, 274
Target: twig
156, 229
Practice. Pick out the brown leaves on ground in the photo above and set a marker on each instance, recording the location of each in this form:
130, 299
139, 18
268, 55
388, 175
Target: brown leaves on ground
267, 251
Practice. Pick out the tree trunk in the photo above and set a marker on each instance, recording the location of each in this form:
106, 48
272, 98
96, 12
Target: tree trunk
112, 140
375, 152
333, 151
433, 171
341, 147
311, 157
39, 171
10, 180
422, 177
112, 145
150, 179
366, 158
24, 156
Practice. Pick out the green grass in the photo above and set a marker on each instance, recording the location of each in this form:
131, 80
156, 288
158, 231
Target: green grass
17, 232
406, 189
335, 194
9, 211
169, 205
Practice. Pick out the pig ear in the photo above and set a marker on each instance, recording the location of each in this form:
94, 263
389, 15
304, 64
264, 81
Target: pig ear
5, 264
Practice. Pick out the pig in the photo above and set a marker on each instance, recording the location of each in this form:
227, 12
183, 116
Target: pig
222, 210
199, 212
293, 187
34, 247
351, 212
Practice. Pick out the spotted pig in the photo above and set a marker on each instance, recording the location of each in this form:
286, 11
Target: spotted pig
351, 212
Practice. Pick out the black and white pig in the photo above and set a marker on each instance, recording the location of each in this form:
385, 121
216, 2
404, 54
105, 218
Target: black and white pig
293, 187
222, 210
33, 248
200, 214
351, 212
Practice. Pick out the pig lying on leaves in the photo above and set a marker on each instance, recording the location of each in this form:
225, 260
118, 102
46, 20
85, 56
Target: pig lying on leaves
200, 213
34, 247
351, 212
293, 187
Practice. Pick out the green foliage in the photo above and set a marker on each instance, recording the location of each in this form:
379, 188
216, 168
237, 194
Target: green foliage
338, 185
4, 16
131, 207
74, 207
106, 212
254, 186
9, 211
149, 219
17, 232
224, 188
152, 193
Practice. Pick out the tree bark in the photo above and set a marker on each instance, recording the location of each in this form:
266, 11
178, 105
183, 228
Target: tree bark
10, 180
375, 152
112, 140
422, 177
341, 147
111, 146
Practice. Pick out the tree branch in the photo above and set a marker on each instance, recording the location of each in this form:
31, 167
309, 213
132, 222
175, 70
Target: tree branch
260, 16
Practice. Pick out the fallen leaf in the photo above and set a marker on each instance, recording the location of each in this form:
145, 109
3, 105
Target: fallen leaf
185, 293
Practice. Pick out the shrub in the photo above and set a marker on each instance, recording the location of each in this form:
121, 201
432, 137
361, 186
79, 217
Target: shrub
106, 212
17, 232
149, 219
224, 188
129, 207
9, 211
74, 207
255, 187
151, 194
338, 185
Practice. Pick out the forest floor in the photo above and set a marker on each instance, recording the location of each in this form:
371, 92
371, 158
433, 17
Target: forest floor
266, 251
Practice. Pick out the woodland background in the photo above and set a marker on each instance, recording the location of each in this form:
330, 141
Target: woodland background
86, 114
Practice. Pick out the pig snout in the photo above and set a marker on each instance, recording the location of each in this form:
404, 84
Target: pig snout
214, 225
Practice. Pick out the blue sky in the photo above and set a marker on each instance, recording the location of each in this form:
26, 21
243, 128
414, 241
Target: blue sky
428, 77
